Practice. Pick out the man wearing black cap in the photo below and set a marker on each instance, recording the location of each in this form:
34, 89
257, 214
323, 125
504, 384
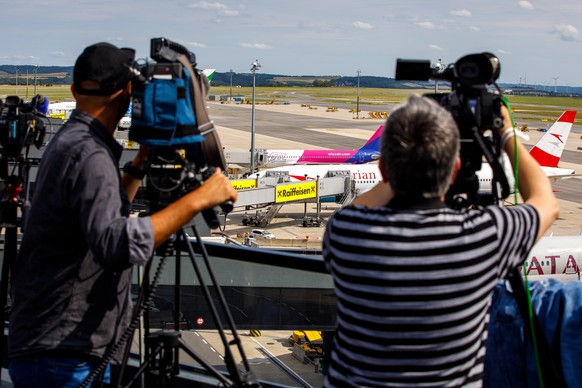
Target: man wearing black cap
71, 281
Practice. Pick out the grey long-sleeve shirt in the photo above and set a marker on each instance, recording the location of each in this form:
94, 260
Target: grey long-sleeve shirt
71, 280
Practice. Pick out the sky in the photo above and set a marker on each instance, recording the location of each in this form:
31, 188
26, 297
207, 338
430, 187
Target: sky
536, 41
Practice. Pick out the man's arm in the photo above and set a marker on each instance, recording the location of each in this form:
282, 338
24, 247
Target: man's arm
131, 184
377, 196
534, 186
213, 192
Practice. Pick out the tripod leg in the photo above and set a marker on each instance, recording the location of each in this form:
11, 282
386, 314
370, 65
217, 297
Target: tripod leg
240, 378
10, 252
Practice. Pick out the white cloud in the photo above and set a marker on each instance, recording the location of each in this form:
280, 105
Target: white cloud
260, 46
566, 32
223, 9
525, 4
474, 29
59, 54
435, 47
461, 13
362, 25
502, 51
230, 12
208, 6
428, 25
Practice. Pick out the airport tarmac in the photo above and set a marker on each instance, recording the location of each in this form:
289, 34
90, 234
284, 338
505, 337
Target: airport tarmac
292, 126
269, 355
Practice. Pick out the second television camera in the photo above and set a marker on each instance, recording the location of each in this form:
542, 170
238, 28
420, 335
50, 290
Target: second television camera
21, 125
475, 109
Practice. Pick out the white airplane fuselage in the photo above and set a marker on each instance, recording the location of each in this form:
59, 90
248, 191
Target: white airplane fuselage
557, 256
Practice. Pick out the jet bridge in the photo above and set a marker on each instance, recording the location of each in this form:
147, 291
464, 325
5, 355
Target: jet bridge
277, 188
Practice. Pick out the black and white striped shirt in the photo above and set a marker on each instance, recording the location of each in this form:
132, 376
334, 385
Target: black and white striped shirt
414, 288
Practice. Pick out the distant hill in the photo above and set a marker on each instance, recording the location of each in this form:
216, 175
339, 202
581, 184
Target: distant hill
62, 75
262, 79
45, 75
246, 79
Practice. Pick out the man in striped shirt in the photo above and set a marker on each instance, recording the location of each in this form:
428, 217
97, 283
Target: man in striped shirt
414, 278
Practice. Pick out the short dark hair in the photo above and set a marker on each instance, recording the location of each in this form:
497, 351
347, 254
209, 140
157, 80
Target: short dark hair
420, 144
105, 64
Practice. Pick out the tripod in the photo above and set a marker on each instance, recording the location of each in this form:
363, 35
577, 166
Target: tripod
163, 347
9, 202
10, 251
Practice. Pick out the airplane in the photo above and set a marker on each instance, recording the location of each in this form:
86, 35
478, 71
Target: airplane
367, 176
555, 256
369, 152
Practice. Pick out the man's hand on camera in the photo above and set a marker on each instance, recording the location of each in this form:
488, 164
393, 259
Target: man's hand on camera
216, 190
212, 192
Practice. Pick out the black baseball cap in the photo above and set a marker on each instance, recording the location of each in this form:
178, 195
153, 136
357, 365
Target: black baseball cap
106, 64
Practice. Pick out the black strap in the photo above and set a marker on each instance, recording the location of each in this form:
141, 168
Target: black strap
211, 146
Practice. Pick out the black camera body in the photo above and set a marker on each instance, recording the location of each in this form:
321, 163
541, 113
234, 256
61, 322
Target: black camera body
474, 108
20, 126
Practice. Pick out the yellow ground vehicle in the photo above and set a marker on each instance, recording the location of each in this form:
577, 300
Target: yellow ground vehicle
310, 341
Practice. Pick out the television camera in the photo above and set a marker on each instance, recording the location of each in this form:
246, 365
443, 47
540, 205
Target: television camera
169, 115
477, 112
22, 124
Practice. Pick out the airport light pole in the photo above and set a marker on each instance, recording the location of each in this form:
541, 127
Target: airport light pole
35, 75
254, 68
26, 83
230, 92
358, 96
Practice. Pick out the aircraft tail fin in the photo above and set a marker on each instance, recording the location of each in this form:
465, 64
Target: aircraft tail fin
548, 150
373, 143
209, 73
